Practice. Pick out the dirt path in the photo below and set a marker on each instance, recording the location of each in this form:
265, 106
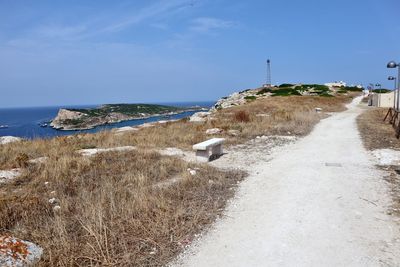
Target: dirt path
318, 202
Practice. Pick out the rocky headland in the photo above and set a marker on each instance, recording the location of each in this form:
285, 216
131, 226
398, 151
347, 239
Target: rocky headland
83, 119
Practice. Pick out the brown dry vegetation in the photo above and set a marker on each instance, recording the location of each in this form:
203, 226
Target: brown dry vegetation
111, 214
376, 133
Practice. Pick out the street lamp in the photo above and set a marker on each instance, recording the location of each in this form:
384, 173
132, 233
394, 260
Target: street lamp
391, 78
380, 87
391, 65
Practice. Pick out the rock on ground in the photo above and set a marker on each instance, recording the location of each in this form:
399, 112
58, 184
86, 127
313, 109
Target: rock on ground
15, 252
213, 131
7, 175
93, 151
9, 139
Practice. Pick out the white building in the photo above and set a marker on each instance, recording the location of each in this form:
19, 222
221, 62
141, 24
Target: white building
336, 84
385, 100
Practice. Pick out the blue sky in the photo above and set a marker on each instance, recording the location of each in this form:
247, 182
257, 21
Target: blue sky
92, 52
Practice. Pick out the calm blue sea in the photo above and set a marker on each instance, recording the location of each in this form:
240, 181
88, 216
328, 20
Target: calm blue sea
24, 122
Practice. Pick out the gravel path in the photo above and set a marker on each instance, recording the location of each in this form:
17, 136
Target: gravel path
318, 202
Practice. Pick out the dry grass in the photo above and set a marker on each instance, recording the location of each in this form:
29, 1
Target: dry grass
375, 133
111, 214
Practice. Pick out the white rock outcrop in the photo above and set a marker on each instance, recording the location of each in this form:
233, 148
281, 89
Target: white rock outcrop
9, 139
200, 116
65, 115
15, 252
236, 99
214, 131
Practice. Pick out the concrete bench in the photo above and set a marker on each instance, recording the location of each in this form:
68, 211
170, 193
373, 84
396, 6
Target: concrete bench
213, 146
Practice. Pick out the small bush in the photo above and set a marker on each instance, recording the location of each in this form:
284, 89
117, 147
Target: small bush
353, 88
250, 97
22, 160
285, 92
242, 116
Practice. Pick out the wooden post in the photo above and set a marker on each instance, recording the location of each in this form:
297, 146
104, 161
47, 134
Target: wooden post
390, 112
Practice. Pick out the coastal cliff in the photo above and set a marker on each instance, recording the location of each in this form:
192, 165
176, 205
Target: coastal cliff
83, 119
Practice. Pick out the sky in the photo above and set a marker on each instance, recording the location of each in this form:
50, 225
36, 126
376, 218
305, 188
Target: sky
93, 52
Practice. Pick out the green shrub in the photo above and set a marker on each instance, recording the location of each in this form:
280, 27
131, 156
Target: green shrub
381, 91
286, 85
352, 88
285, 92
250, 97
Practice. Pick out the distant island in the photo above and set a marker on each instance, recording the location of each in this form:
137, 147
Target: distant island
84, 119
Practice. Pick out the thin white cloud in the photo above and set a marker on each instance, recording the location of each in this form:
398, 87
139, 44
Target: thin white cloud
99, 25
206, 24
158, 9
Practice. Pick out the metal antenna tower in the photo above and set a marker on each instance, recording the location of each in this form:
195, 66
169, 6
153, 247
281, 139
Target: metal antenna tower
269, 82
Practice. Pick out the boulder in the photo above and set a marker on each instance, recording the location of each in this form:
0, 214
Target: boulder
213, 131
18, 253
199, 116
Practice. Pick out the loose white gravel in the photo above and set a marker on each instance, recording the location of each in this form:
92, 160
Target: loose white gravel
318, 202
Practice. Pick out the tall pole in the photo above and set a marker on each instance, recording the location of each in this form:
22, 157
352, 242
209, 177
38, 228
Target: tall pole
394, 90
269, 82
394, 93
398, 86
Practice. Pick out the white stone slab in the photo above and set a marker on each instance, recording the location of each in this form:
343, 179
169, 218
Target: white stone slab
209, 143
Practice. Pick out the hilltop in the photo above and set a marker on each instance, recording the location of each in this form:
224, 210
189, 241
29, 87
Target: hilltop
285, 89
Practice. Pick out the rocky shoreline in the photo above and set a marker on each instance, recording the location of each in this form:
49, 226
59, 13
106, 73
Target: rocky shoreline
73, 120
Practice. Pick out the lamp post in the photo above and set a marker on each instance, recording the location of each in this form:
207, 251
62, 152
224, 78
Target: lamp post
380, 87
391, 78
391, 65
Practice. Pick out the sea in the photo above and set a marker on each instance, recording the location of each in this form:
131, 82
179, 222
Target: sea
28, 122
